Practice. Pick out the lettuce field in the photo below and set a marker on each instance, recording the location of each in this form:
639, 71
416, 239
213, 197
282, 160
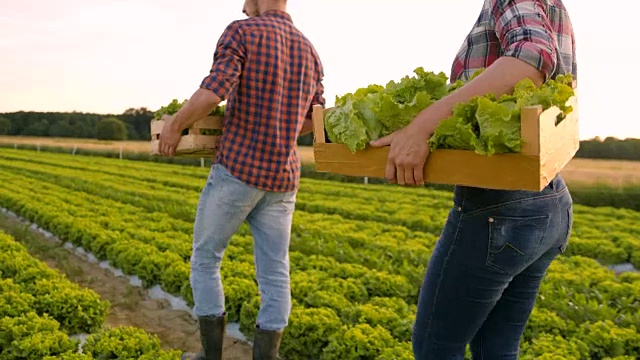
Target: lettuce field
41, 310
358, 255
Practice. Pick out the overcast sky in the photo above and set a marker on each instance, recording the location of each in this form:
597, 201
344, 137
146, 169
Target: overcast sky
105, 56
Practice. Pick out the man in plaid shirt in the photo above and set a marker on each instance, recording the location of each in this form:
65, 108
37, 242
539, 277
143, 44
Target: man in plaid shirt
271, 76
485, 272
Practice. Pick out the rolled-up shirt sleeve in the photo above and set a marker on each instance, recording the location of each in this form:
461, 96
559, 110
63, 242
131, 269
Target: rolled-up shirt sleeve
228, 60
318, 98
525, 32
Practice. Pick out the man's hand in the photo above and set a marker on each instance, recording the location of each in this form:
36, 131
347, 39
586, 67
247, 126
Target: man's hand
169, 138
407, 156
201, 103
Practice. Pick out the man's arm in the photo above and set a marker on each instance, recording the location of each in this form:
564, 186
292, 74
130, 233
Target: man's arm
224, 75
228, 60
318, 99
307, 126
201, 104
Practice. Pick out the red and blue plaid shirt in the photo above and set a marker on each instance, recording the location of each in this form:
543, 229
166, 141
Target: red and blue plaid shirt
271, 76
538, 32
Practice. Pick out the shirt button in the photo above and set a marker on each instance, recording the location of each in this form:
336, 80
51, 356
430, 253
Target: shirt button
491, 220
459, 208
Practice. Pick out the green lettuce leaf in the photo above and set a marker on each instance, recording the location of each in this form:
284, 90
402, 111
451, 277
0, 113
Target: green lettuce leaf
394, 115
499, 125
485, 124
365, 100
455, 133
344, 126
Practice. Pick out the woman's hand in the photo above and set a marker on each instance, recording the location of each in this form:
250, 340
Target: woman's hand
409, 149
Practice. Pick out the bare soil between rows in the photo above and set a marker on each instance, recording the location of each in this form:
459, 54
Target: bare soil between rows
130, 305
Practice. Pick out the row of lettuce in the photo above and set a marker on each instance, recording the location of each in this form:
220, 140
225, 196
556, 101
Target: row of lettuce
140, 244
41, 310
606, 234
354, 281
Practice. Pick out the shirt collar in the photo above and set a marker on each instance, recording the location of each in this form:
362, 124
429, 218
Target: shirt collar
278, 14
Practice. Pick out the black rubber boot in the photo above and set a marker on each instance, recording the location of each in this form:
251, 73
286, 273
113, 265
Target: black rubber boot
211, 338
266, 344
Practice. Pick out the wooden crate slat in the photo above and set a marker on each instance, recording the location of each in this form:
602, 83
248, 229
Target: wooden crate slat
559, 143
156, 127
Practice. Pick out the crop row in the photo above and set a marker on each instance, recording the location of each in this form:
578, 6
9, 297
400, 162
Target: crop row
128, 238
354, 280
609, 235
40, 308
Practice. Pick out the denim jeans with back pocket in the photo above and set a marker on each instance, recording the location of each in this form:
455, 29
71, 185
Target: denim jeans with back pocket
485, 272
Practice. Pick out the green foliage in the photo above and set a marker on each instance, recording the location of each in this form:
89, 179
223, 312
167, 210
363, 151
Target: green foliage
308, 333
603, 250
78, 310
5, 126
597, 195
485, 124
249, 315
40, 308
169, 109
237, 292
32, 336
111, 129
14, 302
174, 106
360, 342
358, 255
605, 339
554, 347
375, 111
72, 355
76, 124
398, 323
121, 343
401, 351
490, 125
610, 148
45, 291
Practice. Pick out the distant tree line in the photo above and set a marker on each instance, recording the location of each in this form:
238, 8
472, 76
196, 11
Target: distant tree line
134, 124
610, 148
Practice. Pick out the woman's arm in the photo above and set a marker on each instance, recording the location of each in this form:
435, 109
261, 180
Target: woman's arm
409, 146
528, 48
499, 78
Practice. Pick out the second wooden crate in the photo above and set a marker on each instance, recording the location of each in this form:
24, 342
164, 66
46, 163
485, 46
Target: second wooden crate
197, 143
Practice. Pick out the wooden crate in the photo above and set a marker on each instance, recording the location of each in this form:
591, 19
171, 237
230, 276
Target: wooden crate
547, 148
194, 144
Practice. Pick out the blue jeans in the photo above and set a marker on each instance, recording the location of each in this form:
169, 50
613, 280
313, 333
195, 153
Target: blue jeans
225, 203
485, 272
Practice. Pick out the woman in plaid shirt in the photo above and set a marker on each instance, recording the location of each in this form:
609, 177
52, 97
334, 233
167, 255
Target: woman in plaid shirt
485, 272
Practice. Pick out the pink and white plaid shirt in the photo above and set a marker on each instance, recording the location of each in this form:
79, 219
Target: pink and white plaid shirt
538, 32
